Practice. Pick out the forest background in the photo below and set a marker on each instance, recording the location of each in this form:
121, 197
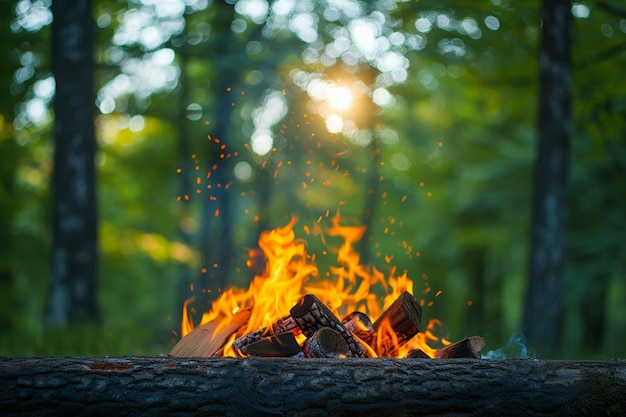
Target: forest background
420, 120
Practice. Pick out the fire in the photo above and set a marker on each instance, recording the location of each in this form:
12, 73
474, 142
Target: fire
284, 272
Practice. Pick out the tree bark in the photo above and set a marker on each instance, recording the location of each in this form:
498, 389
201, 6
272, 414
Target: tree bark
313, 387
72, 292
543, 309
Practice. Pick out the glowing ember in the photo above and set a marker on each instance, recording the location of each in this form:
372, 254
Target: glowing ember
284, 274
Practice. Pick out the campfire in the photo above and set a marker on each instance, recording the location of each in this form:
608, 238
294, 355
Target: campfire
287, 312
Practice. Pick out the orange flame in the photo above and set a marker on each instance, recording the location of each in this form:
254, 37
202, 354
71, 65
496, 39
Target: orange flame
281, 281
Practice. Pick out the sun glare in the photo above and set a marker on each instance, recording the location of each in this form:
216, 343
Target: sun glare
340, 98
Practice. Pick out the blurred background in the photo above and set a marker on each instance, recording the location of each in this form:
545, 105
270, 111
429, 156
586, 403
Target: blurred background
216, 120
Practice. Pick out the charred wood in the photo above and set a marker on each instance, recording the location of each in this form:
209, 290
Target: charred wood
310, 314
466, 348
283, 325
284, 344
360, 325
325, 343
417, 354
397, 325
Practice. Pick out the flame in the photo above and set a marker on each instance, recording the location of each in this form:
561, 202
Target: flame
284, 273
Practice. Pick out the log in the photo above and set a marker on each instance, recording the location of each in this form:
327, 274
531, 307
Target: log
359, 324
310, 314
204, 341
140, 386
466, 348
325, 343
283, 325
278, 345
417, 354
404, 318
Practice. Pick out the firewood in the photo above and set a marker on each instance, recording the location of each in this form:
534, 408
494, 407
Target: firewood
325, 343
283, 325
204, 341
310, 314
283, 345
360, 325
241, 345
417, 354
397, 325
466, 348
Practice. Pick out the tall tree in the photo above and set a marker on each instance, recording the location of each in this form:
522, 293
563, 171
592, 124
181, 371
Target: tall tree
8, 168
72, 293
543, 308
216, 240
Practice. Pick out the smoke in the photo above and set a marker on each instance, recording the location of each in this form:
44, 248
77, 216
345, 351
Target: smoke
515, 348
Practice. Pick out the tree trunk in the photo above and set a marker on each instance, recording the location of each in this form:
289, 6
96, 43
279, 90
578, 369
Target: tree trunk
185, 193
11, 154
543, 310
310, 387
216, 240
216, 245
72, 292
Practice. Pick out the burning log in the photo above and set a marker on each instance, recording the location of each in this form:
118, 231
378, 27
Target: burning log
466, 348
138, 386
417, 354
396, 326
284, 344
325, 343
284, 325
359, 324
206, 340
310, 314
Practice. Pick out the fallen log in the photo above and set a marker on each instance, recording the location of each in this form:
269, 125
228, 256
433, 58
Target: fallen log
138, 386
